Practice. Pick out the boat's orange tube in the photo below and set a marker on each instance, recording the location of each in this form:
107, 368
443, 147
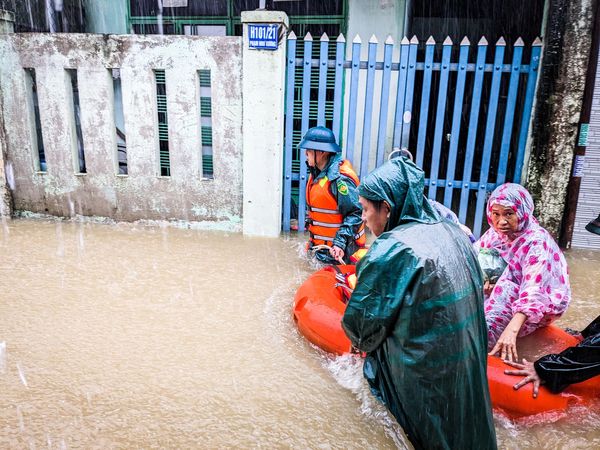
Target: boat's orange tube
318, 310
518, 403
319, 306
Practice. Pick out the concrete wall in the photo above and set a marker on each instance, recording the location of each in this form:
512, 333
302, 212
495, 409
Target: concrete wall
264, 93
382, 17
6, 26
106, 19
366, 18
142, 194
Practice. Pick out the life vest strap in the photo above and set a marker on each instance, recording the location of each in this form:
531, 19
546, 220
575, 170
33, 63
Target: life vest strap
324, 224
323, 238
323, 210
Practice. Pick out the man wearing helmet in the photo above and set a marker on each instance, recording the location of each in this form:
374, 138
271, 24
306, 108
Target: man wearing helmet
337, 233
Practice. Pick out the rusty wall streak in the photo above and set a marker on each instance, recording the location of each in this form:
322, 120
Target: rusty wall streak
559, 106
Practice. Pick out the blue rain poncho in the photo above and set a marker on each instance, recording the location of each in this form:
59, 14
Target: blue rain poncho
417, 311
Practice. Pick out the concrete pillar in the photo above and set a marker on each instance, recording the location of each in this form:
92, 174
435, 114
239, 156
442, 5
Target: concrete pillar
7, 21
263, 92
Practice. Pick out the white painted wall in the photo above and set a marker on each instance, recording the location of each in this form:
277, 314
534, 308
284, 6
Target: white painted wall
106, 16
143, 194
386, 18
264, 93
6, 26
247, 165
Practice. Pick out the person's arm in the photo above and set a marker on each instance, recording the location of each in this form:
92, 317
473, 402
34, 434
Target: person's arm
507, 342
557, 371
535, 291
533, 300
573, 365
346, 193
592, 329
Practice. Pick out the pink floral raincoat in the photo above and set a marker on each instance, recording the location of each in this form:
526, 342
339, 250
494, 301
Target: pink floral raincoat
536, 279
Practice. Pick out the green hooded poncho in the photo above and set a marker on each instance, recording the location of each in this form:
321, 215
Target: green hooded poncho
417, 311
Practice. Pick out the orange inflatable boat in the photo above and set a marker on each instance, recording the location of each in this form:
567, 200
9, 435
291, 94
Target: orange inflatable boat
320, 303
319, 306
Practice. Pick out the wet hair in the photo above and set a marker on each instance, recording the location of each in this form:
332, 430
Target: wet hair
377, 204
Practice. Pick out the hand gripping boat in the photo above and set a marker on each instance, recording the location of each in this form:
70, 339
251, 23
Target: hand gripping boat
319, 306
550, 339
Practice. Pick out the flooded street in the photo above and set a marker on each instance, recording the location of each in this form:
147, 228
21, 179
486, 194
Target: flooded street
124, 336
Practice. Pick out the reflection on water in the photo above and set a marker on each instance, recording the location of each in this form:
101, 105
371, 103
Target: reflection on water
124, 336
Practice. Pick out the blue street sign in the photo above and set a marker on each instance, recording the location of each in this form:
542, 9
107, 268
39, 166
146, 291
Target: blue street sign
263, 36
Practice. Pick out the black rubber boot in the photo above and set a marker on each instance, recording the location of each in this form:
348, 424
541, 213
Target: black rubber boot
594, 226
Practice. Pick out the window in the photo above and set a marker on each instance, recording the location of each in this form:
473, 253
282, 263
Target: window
80, 156
206, 123
39, 156
119, 123
163, 123
210, 18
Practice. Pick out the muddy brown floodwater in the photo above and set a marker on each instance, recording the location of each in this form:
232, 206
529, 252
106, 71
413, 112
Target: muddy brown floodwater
124, 336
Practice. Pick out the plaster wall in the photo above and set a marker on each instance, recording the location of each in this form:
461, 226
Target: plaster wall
6, 26
143, 193
381, 19
264, 93
106, 17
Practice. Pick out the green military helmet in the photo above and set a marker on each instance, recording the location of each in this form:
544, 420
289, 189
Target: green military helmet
320, 138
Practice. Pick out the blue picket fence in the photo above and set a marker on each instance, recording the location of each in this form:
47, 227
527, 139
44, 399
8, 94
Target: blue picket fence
456, 112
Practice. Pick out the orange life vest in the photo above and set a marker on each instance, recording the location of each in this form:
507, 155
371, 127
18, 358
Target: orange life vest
323, 216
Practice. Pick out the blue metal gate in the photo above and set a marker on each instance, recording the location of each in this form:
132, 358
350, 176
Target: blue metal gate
478, 126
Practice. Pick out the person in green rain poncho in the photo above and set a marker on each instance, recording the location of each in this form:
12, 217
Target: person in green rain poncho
417, 311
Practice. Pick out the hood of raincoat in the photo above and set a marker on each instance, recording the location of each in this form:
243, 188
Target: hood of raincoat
517, 198
400, 183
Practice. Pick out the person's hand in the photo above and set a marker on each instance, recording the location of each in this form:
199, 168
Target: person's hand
337, 254
507, 342
506, 346
527, 370
488, 288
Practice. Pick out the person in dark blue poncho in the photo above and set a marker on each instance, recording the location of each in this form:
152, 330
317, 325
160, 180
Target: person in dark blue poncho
417, 311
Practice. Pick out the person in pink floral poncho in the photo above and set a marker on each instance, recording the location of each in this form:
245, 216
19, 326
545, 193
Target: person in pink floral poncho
534, 288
